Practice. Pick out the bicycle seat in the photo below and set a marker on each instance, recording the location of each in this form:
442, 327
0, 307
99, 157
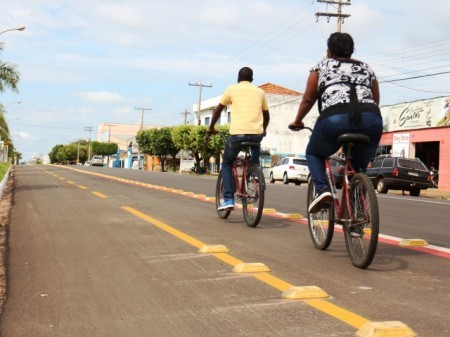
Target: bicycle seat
348, 138
251, 144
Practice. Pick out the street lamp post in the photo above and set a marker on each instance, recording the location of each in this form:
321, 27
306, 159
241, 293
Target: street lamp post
3, 108
20, 28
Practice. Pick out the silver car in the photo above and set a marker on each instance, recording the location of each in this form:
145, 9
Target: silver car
97, 161
290, 169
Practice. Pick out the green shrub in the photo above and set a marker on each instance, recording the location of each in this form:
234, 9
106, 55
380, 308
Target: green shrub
3, 169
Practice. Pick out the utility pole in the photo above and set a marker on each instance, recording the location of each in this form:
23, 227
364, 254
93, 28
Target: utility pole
200, 85
142, 128
339, 15
109, 131
142, 115
89, 129
185, 113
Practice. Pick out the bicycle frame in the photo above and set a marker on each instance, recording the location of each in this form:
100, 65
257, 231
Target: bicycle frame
243, 163
339, 204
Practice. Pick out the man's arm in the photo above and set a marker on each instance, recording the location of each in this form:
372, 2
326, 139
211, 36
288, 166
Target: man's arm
266, 120
216, 114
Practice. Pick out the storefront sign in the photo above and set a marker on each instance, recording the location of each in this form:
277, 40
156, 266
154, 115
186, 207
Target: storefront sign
400, 145
422, 114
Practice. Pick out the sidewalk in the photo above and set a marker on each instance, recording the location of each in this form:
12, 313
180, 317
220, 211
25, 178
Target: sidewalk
429, 193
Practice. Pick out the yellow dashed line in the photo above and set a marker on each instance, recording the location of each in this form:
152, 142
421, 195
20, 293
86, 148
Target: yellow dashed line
322, 305
100, 195
273, 281
82, 187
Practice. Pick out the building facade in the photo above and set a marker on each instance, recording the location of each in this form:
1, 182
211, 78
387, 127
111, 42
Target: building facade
420, 129
124, 135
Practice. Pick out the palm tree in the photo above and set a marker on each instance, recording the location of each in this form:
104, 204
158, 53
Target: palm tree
9, 76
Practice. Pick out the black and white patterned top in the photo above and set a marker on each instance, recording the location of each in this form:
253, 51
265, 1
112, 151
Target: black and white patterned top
336, 79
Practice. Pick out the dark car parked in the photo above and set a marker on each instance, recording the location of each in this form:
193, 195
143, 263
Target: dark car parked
398, 173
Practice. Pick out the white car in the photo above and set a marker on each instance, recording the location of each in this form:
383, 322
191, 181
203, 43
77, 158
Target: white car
290, 169
97, 161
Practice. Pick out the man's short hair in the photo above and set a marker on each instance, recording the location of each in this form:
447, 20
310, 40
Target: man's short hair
245, 74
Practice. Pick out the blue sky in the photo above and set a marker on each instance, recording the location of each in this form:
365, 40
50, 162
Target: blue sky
87, 62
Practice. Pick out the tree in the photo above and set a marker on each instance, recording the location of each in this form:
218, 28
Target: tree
9, 76
158, 142
53, 155
104, 149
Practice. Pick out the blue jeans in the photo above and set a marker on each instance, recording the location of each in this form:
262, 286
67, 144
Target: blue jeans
232, 150
323, 143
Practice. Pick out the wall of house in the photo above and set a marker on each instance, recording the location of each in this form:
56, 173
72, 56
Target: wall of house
280, 140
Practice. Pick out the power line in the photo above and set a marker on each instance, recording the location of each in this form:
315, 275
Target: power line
414, 77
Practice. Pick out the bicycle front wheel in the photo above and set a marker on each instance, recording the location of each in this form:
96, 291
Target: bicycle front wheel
361, 233
219, 197
320, 224
253, 196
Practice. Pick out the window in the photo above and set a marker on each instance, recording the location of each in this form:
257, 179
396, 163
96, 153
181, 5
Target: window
207, 121
300, 162
388, 162
377, 163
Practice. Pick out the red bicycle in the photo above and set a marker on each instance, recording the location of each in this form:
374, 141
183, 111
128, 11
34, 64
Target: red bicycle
356, 209
250, 186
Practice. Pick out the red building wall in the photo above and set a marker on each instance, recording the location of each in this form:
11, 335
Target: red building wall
441, 135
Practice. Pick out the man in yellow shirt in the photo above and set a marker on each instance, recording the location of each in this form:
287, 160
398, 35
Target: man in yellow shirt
249, 120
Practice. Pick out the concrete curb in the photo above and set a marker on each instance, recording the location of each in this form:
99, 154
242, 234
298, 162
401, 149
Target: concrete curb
4, 181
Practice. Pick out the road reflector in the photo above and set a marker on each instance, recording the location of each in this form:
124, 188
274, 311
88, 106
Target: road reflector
213, 249
269, 210
385, 329
255, 267
413, 242
305, 292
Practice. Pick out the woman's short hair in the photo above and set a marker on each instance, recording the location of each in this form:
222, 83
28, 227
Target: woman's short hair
341, 45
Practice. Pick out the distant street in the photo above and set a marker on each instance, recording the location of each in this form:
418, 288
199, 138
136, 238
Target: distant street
110, 252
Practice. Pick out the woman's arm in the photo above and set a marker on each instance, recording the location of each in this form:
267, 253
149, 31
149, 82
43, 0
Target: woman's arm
308, 100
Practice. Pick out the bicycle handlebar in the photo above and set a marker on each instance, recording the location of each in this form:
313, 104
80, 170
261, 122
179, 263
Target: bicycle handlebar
298, 128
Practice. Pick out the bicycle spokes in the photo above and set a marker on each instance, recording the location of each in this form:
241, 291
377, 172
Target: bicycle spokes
361, 230
253, 196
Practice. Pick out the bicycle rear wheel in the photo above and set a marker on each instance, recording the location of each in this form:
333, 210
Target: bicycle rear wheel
320, 224
361, 235
253, 196
219, 197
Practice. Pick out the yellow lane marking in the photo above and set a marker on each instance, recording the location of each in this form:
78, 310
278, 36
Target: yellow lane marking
340, 313
70, 182
322, 305
100, 195
175, 232
82, 187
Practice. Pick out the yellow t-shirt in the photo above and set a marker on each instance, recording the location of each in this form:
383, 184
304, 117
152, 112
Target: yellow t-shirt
247, 104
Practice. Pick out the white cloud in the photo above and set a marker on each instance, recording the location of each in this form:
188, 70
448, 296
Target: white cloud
101, 97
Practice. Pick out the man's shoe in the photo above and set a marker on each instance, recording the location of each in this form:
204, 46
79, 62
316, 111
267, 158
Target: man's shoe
322, 200
227, 205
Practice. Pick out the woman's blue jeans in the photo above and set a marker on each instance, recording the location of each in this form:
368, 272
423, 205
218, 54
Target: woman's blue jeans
323, 143
232, 150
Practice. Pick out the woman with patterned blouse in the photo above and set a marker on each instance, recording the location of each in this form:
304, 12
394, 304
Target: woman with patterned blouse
348, 96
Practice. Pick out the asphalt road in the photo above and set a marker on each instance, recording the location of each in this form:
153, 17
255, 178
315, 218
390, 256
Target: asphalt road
90, 255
